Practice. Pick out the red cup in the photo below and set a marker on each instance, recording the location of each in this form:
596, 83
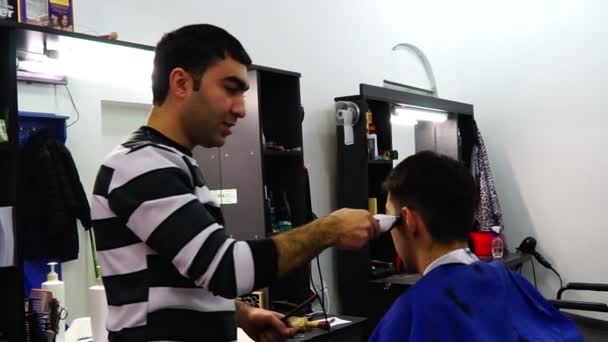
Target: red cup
482, 243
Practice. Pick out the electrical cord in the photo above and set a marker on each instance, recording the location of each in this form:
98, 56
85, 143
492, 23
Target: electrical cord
321, 280
73, 105
314, 287
322, 297
561, 283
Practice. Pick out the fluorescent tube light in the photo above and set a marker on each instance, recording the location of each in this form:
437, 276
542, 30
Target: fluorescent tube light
419, 114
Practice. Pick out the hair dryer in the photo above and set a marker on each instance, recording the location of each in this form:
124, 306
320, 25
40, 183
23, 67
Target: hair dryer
528, 246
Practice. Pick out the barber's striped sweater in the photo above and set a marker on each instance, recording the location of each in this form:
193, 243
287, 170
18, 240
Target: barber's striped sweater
169, 267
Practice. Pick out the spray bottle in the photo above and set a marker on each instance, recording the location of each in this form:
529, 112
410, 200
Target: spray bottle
498, 244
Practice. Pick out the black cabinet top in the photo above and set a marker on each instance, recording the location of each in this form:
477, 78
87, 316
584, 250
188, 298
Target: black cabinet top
370, 92
274, 70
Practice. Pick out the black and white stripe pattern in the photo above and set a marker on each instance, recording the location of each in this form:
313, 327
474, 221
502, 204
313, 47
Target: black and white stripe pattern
169, 268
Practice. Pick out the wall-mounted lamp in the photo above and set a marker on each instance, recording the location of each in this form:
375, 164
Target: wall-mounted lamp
406, 115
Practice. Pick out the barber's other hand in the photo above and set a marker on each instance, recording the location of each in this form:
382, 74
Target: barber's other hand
263, 325
353, 228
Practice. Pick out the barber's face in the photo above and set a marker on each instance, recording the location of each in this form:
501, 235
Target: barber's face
402, 239
210, 113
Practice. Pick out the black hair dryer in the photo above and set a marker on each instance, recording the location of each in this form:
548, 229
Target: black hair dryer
528, 246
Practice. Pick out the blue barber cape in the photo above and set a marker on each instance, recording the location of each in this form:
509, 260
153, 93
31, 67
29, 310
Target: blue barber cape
477, 302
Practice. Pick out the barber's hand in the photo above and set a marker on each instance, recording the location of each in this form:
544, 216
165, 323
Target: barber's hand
263, 325
353, 228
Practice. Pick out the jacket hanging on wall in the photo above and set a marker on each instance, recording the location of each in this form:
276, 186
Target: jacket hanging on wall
475, 156
51, 198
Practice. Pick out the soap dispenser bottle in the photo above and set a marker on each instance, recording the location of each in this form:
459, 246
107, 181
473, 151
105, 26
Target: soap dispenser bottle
56, 286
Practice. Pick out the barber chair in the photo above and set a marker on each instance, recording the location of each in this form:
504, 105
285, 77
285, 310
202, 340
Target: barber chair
593, 329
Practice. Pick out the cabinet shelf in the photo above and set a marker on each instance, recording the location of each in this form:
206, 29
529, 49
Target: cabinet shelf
273, 153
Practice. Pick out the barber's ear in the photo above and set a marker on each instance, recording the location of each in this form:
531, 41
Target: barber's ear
181, 82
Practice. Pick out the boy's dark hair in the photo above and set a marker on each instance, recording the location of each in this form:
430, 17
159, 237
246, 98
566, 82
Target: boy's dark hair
441, 189
194, 48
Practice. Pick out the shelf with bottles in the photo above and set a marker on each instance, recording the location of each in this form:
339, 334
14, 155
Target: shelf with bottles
284, 182
278, 212
379, 134
278, 153
284, 194
281, 145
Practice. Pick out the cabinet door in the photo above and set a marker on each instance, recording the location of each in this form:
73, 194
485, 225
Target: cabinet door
241, 170
208, 160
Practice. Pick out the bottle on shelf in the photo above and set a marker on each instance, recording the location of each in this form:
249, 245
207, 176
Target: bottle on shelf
372, 137
284, 215
371, 129
271, 211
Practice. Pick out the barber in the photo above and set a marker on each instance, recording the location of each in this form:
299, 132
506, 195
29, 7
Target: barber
170, 270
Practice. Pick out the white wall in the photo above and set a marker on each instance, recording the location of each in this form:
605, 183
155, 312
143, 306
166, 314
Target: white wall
534, 70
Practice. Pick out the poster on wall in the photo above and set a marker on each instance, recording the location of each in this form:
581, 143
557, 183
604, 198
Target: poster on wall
58, 14
8, 10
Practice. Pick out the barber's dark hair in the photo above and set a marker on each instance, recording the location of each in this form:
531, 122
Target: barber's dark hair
194, 48
441, 189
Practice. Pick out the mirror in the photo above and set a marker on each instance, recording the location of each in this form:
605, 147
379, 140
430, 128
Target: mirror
404, 141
